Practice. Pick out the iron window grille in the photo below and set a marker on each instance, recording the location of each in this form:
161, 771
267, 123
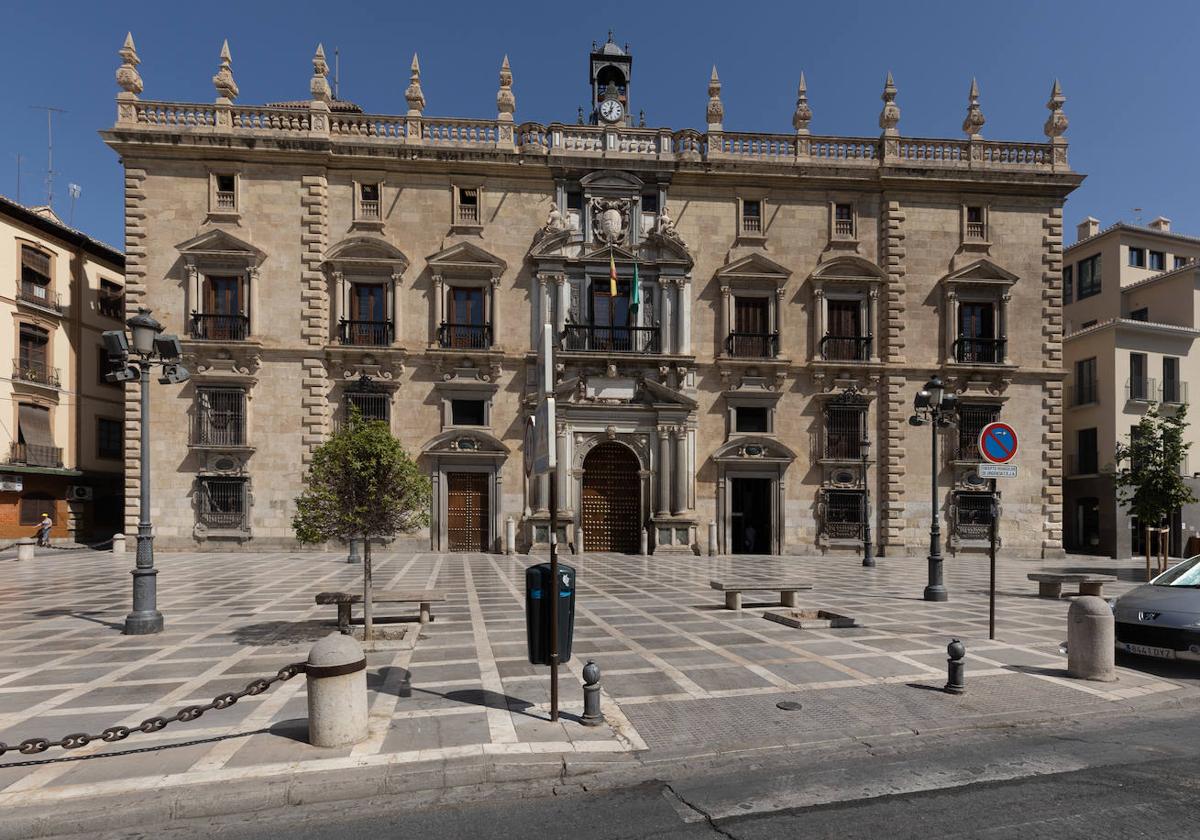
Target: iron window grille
971, 420
371, 404
220, 417
224, 504
844, 431
973, 515
844, 514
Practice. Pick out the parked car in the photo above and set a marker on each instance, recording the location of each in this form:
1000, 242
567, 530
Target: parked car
1162, 618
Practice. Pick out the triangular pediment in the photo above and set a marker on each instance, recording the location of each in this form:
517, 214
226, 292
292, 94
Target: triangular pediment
465, 442
467, 256
849, 267
754, 267
660, 393
367, 250
982, 271
219, 243
752, 448
606, 180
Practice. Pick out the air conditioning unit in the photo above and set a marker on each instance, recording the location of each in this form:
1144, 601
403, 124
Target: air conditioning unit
78, 493
11, 483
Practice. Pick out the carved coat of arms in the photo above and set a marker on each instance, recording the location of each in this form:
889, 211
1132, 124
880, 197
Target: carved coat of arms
610, 219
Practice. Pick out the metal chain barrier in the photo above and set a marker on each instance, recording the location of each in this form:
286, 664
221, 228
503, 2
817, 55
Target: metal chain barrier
93, 546
32, 746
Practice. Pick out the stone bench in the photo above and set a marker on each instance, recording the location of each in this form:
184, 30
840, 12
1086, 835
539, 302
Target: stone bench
344, 601
733, 590
1050, 584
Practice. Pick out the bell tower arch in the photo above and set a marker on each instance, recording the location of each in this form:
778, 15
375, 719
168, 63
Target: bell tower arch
610, 70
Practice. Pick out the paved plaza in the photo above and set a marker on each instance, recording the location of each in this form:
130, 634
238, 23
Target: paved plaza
682, 676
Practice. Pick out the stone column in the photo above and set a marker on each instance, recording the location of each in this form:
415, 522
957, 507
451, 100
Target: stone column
872, 322
562, 443
195, 293
666, 332
685, 315
780, 312
560, 316
1002, 327
439, 298
680, 502
951, 322
396, 322
664, 471
818, 319
494, 301
726, 319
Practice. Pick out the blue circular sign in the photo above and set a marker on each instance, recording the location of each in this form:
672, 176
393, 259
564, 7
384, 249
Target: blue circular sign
998, 443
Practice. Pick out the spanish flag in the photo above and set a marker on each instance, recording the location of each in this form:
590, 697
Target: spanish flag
612, 275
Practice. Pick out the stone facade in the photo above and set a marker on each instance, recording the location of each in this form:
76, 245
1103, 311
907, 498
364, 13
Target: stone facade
795, 290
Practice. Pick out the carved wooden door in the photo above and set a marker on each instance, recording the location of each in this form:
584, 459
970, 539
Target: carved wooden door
611, 500
467, 513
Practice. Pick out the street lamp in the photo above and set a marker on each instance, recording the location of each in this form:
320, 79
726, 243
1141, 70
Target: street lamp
934, 406
149, 347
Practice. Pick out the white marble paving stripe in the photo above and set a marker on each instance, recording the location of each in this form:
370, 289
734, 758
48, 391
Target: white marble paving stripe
217, 757
500, 724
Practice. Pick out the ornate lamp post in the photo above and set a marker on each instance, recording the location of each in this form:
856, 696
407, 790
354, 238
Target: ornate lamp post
934, 406
148, 348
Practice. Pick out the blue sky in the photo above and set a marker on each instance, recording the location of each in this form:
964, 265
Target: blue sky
1126, 72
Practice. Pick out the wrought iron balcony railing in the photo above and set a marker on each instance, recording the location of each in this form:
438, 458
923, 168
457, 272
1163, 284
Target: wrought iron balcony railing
980, 351
610, 339
465, 336
365, 333
219, 327
40, 295
111, 306
846, 348
25, 370
744, 345
32, 455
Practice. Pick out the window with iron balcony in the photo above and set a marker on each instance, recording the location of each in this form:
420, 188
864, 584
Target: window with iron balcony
468, 327
845, 338
110, 301
978, 339
37, 286
613, 324
368, 306
752, 336
223, 315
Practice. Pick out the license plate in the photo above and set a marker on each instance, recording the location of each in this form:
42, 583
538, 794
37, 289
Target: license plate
1146, 650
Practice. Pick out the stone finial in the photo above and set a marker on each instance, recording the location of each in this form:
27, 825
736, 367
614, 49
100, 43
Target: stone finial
414, 94
889, 117
1056, 123
973, 124
803, 115
319, 86
128, 78
506, 103
227, 89
716, 111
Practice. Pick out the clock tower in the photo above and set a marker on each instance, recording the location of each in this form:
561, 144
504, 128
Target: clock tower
610, 70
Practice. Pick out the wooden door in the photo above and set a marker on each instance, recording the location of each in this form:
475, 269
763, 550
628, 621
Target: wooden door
467, 511
612, 518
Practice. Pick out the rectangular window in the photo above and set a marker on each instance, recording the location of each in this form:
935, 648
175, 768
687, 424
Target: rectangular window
975, 226
752, 217
1142, 314
650, 203
1085, 381
1172, 388
574, 200
1068, 283
1180, 262
977, 342
752, 336
223, 504
35, 440
1139, 385
973, 515
1137, 257
468, 412
844, 514
971, 420
751, 419
843, 221
1086, 455
35, 267
468, 206
368, 201
845, 428
1089, 277
110, 301
223, 316
1158, 261
466, 327
368, 324
32, 364
226, 192
109, 438
844, 339
34, 505
220, 417
373, 405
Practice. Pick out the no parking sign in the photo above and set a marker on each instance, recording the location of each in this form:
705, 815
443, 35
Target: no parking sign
998, 443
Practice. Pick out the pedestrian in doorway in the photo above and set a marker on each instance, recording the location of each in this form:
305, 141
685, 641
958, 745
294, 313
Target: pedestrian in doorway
44, 530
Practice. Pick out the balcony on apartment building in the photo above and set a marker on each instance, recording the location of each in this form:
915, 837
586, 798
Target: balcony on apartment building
40, 295
752, 345
610, 339
365, 333
464, 336
980, 351
219, 327
36, 372
845, 348
34, 455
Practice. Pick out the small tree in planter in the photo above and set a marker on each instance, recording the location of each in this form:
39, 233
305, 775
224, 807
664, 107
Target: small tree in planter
361, 485
1148, 479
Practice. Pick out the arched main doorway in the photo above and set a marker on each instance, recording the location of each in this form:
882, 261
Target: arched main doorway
612, 518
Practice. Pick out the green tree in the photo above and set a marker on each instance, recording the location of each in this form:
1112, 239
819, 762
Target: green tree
361, 484
1148, 479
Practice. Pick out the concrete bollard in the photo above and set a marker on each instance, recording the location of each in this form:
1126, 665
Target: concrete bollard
1091, 640
644, 546
592, 716
25, 548
337, 692
712, 539
510, 536
355, 547
579, 541
955, 669
118, 547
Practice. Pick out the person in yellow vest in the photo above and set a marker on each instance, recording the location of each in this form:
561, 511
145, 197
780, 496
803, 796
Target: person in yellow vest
44, 529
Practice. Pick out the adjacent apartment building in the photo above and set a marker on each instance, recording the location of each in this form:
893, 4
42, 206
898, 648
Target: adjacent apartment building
62, 424
742, 319
1131, 297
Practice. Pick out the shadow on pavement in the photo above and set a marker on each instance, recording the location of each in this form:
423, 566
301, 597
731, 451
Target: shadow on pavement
84, 615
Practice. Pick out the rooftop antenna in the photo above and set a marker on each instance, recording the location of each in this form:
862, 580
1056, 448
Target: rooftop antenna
1137, 215
50, 112
337, 64
19, 158
75, 191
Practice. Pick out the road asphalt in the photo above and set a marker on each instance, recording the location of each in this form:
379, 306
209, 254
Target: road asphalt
1133, 776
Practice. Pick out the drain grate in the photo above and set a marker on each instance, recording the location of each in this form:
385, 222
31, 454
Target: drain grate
789, 705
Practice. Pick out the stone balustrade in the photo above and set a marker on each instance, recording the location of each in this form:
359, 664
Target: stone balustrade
557, 139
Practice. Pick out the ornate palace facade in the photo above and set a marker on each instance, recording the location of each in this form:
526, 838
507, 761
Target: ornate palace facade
778, 300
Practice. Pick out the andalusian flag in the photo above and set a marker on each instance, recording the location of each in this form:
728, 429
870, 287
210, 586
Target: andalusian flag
635, 294
612, 275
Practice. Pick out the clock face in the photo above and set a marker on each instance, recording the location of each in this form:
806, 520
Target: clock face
611, 110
